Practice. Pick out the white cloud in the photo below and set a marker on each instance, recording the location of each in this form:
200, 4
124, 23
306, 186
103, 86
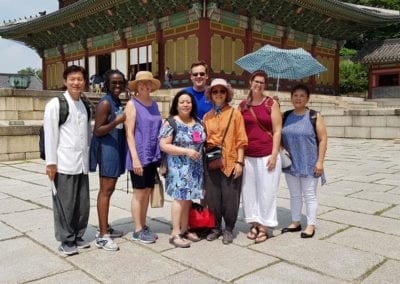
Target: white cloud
16, 56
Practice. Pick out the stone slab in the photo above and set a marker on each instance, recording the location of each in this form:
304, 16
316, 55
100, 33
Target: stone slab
3, 196
393, 213
23, 260
375, 223
385, 132
27, 191
283, 272
357, 132
327, 258
354, 204
388, 273
131, 264
6, 232
74, 276
230, 261
343, 187
189, 275
366, 240
28, 220
12, 205
378, 196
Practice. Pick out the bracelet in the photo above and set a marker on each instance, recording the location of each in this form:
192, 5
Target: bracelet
240, 163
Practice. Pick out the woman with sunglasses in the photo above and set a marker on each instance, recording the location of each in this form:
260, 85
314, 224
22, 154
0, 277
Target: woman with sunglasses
260, 186
224, 126
108, 150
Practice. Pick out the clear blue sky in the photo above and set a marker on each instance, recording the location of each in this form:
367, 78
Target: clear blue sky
15, 56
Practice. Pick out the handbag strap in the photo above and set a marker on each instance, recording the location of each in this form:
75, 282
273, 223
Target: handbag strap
258, 122
226, 130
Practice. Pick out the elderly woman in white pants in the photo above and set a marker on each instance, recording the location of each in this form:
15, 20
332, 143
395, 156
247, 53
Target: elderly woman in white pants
304, 136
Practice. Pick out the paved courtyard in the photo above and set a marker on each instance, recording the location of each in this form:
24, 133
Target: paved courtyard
357, 238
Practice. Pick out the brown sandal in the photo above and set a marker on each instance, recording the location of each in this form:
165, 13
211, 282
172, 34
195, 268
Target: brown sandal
178, 242
252, 234
262, 235
191, 236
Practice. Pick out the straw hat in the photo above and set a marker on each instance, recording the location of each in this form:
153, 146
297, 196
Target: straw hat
144, 76
223, 83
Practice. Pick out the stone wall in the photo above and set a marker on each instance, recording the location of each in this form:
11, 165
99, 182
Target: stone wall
21, 115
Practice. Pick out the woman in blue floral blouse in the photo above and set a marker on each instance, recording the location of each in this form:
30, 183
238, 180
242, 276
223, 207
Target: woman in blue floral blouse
184, 180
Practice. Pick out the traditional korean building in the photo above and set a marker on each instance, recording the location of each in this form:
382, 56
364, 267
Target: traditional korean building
134, 35
383, 61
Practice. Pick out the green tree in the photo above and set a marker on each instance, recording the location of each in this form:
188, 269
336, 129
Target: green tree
31, 71
353, 77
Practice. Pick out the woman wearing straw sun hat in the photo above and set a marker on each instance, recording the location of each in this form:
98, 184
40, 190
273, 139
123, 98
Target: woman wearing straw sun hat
143, 122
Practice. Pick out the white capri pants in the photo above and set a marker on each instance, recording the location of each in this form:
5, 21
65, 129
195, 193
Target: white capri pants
259, 191
300, 187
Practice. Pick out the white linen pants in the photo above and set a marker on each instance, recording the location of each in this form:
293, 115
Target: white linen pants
259, 191
300, 187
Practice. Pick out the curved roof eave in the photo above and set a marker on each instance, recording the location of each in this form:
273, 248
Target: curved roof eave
62, 16
342, 10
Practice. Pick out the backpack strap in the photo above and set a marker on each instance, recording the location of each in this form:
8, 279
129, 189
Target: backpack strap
64, 109
313, 119
285, 116
86, 103
172, 123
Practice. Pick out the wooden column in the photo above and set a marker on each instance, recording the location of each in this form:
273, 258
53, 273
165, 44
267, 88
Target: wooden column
336, 71
161, 53
44, 74
313, 81
204, 40
248, 38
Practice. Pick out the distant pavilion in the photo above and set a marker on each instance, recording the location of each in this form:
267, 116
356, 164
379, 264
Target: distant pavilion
133, 35
383, 61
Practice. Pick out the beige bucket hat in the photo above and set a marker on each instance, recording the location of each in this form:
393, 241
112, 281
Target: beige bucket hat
144, 76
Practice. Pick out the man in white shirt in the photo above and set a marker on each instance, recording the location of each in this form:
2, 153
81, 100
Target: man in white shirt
67, 162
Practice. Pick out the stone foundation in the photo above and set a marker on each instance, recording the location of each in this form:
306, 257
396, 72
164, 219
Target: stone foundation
21, 114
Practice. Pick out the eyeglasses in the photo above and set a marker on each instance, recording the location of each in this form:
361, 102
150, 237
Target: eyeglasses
202, 74
117, 82
258, 82
222, 91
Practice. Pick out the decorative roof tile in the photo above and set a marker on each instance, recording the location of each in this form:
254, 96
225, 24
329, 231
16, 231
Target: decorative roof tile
387, 51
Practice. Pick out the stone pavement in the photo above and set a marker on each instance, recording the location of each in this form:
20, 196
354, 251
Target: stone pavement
357, 237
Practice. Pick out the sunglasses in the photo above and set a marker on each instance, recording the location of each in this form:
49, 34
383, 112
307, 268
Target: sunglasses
202, 74
117, 82
222, 91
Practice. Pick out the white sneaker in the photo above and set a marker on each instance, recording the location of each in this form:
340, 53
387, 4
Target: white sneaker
105, 242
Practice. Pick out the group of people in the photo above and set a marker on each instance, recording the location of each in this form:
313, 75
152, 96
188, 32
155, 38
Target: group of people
248, 140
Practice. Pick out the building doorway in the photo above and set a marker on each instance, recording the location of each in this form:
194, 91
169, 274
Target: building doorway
103, 64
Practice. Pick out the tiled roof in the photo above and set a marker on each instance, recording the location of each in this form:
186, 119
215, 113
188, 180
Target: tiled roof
35, 82
387, 51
